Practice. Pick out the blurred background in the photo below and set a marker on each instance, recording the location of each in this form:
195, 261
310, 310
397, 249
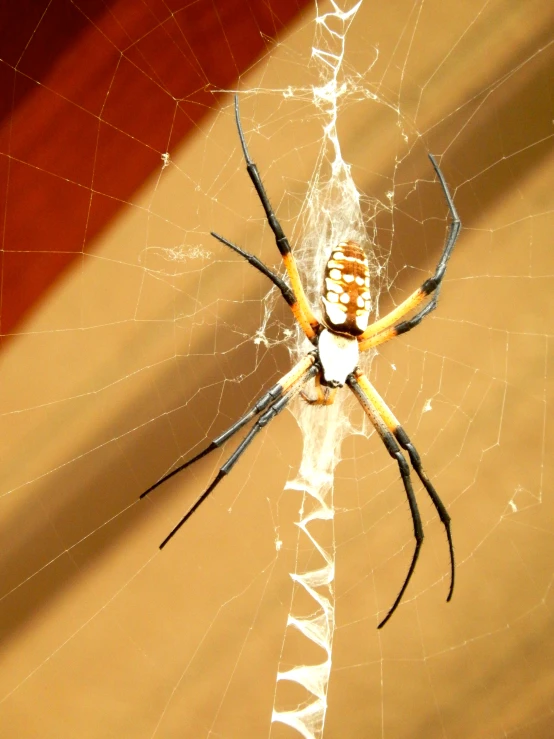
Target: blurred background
130, 338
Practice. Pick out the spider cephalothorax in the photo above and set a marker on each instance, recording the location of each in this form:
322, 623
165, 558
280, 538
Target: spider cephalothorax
338, 339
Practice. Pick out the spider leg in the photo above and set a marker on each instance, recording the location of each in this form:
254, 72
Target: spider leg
273, 394
286, 291
384, 329
275, 407
309, 323
324, 396
403, 439
394, 450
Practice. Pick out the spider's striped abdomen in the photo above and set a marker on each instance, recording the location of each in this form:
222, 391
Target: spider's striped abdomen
346, 300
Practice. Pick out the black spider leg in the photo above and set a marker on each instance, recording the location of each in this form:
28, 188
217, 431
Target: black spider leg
280, 238
274, 409
394, 450
433, 284
301, 308
286, 291
273, 394
404, 441
395, 428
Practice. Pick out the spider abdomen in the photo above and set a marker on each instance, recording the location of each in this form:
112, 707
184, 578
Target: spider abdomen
346, 299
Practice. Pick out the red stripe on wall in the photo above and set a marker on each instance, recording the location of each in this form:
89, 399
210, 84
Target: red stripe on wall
92, 93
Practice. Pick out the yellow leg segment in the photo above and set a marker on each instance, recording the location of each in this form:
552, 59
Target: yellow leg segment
405, 307
386, 335
382, 408
301, 309
299, 369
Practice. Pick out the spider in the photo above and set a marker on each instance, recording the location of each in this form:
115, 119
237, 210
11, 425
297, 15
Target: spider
343, 332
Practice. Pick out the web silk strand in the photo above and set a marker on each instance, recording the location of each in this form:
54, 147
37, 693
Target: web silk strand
331, 214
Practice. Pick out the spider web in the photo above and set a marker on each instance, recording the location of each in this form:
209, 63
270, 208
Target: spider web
154, 338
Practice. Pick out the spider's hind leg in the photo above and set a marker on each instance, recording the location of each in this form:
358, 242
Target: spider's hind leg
275, 407
269, 404
393, 435
394, 450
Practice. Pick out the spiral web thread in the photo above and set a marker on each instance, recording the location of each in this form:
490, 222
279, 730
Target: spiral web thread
331, 214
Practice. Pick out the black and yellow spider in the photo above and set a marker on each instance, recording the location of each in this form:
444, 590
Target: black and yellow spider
343, 332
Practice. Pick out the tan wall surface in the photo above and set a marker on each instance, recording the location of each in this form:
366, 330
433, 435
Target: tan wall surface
134, 361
